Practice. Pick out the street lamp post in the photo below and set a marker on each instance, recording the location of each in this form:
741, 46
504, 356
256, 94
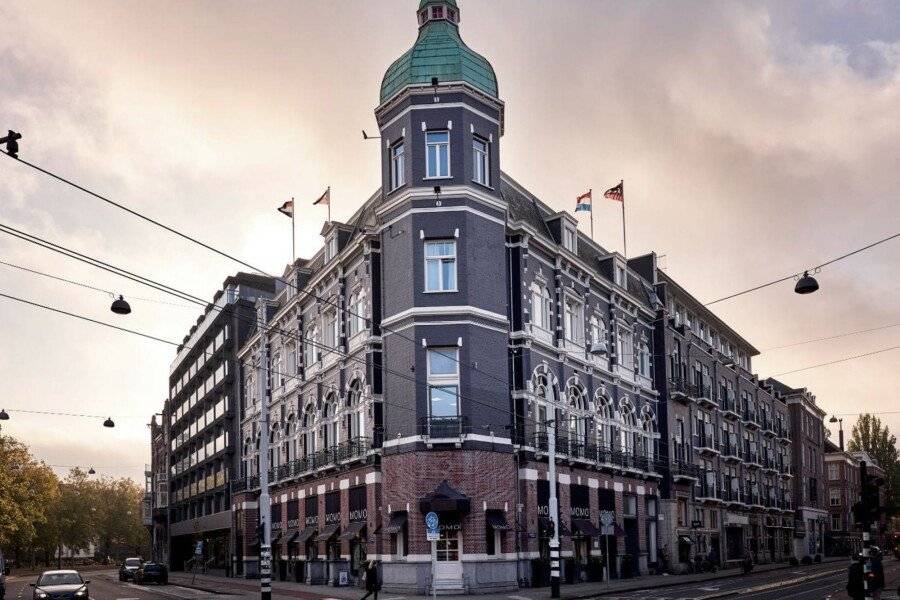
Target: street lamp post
840, 423
553, 506
265, 507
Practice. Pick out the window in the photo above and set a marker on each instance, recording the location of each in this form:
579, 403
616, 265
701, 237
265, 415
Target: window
437, 154
540, 307
440, 266
625, 349
834, 496
644, 360
574, 320
621, 277
833, 472
629, 505
311, 351
331, 329
398, 165
836, 522
443, 382
570, 239
480, 162
437, 12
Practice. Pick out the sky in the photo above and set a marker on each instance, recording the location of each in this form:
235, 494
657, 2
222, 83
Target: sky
755, 140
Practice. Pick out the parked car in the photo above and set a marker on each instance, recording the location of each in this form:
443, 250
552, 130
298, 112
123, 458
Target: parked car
60, 585
151, 572
129, 568
4, 571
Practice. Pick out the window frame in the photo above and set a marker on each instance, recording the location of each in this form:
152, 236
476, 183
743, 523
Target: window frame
440, 380
428, 165
481, 161
441, 259
397, 165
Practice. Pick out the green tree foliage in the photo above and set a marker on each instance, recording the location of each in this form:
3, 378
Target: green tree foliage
869, 434
27, 487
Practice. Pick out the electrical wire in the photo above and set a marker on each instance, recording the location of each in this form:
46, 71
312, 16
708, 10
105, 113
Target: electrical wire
301, 293
83, 318
834, 362
816, 268
85, 285
831, 337
68, 414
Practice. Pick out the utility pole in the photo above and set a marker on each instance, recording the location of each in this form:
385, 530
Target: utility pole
866, 523
265, 505
554, 512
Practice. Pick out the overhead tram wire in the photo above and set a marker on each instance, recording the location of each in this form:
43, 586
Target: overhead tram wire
318, 345
840, 360
68, 414
824, 264
832, 337
301, 293
195, 299
87, 286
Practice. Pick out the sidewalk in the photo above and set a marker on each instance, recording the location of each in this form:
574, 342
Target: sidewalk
222, 585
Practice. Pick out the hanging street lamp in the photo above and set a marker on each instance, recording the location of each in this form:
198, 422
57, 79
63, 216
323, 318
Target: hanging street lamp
120, 306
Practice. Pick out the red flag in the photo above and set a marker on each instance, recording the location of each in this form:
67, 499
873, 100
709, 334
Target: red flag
324, 198
287, 208
616, 193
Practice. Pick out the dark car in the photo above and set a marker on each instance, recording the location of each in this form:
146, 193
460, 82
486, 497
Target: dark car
129, 568
60, 585
152, 572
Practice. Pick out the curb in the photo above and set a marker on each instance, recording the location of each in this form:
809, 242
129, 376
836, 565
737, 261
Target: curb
767, 586
676, 581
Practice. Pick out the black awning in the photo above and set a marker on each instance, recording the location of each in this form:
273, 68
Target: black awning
544, 527
445, 499
585, 527
685, 540
293, 538
353, 530
497, 520
328, 533
306, 534
276, 538
397, 522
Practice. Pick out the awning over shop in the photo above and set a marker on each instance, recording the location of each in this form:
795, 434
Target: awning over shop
293, 538
398, 520
544, 527
353, 530
685, 540
585, 527
445, 499
276, 538
328, 533
497, 520
306, 534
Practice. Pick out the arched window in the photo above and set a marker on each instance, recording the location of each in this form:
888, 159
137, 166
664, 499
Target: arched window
598, 330
307, 437
578, 413
648, 426
605, 422
356, 415
644, 359
545, 399
330, 427
628, 431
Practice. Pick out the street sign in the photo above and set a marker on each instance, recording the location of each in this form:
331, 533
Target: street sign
431, 527
607, 530
607, 518
198, 549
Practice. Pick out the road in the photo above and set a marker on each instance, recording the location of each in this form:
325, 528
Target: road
105, 585
820, 582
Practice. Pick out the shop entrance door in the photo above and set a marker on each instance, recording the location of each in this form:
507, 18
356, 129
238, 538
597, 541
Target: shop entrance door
448, 554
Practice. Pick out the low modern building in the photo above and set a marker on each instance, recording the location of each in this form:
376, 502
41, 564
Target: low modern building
727, 489
808, 435
425, 357
200, 426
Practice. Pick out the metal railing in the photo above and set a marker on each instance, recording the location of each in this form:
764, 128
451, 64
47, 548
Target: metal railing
444, 427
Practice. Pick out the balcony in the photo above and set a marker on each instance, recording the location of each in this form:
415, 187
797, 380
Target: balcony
729, 408
783, 435
768, 428
443, 427
752, 460
682, 391
706, 444
734, 496
705, 397
730, 452
750, 419
685, 472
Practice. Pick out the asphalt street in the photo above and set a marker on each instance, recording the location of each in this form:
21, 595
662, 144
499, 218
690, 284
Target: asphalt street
803, 583
105, 585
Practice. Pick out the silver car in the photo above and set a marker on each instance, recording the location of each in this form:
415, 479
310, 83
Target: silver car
60, 585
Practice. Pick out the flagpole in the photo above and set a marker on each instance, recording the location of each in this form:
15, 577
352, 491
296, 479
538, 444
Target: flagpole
293, 232
624, 237
592, 214
329, 203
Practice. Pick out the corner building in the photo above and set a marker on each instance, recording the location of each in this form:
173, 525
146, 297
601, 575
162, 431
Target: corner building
418, 359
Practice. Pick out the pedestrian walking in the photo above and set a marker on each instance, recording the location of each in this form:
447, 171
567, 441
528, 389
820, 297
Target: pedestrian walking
372, 583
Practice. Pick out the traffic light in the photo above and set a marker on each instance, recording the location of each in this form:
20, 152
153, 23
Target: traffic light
868, 509
12, 146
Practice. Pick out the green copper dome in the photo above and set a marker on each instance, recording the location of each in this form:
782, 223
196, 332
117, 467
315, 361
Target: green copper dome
439, 52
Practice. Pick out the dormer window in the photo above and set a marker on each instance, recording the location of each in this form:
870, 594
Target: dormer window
570, 239
331, 248
437, 12
621, 276
451, 15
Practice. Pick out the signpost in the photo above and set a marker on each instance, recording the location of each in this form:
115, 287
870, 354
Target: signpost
433, 534
607, 518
